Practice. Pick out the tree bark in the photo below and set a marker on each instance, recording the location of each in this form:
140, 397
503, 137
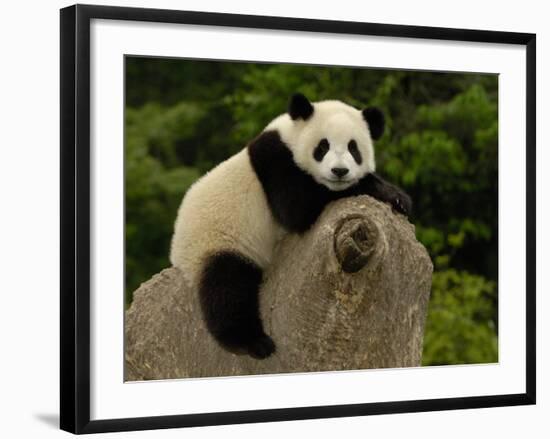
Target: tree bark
351, 293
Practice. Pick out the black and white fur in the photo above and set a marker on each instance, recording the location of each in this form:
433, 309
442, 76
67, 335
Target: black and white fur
230, 219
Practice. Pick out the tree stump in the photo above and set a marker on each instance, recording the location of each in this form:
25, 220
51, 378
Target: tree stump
351, 293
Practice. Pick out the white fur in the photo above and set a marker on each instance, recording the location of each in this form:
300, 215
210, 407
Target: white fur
226, 209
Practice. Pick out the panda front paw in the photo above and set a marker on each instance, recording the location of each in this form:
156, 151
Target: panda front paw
402, 203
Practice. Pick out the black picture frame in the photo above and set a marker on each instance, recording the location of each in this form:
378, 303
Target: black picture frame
75, 217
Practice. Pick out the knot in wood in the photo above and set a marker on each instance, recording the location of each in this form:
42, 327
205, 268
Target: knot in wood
355, 239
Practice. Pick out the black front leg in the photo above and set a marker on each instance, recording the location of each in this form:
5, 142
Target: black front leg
377, 187
296, 200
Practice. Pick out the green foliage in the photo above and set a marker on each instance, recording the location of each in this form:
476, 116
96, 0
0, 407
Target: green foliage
153, 189
448, 164
460, 327
441, 145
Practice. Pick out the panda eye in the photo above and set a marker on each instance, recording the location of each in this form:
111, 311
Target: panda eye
321, 149
354, 151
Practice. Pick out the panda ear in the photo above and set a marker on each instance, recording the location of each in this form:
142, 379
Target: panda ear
299, 107
375, 120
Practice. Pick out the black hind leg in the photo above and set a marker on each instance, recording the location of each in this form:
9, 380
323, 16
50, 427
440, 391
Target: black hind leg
228, 291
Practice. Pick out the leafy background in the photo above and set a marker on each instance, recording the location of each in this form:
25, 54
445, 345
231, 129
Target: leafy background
182, 117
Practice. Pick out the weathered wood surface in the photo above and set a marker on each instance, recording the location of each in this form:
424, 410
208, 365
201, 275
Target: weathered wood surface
352, 293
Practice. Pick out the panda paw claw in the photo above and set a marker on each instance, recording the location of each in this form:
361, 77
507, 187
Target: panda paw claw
402, 203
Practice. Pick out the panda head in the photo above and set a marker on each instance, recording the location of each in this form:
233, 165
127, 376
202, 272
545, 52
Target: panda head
330, 140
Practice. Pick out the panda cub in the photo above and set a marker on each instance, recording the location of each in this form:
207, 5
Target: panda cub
230, 220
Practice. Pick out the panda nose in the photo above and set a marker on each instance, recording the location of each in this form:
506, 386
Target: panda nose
340, 172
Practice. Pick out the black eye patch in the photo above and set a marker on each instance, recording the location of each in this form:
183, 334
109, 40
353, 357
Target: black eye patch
354, 151
320, 150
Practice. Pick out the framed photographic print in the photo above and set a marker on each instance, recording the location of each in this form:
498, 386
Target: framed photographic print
275, 218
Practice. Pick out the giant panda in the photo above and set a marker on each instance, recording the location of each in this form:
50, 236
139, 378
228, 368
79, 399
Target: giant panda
230, 219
